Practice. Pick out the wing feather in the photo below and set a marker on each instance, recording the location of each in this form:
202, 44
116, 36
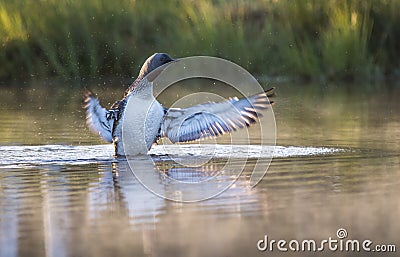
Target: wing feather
213, 119
99, 119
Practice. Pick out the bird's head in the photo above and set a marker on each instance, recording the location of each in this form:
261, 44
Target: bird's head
153, 62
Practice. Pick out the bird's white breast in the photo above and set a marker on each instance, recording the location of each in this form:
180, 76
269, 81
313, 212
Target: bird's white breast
141, 124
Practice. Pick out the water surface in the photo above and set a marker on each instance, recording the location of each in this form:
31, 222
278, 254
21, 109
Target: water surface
64, 194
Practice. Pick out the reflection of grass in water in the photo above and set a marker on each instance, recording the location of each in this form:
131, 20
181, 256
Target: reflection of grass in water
298, 199
336, 115
311, 39
306, 115
300, 219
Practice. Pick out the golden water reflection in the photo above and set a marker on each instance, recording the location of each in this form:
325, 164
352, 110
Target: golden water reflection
100, 209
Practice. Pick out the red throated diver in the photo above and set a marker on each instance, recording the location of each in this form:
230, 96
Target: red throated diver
154, 121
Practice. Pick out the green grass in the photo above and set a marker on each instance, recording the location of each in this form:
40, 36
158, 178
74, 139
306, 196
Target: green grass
310, 39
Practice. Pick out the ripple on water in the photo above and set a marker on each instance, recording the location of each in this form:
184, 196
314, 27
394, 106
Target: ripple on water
28, 156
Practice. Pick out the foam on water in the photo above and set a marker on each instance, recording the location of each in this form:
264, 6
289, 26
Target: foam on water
28, 156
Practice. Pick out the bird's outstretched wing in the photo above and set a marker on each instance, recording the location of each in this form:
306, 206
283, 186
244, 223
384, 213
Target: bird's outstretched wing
213, 119
99, 119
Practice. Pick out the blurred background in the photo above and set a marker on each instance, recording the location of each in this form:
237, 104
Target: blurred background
310, 40
336, 69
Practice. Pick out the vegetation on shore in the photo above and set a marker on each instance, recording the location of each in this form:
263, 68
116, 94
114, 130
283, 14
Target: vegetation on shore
310, 39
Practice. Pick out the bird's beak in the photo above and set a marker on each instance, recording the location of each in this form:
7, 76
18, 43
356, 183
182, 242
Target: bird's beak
173, 60
154, 74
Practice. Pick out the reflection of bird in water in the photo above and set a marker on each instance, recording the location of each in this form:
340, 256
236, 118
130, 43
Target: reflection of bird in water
148, 120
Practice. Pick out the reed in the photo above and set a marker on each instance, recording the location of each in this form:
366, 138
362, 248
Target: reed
310, 39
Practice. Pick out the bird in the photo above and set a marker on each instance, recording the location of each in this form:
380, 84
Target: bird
149, 120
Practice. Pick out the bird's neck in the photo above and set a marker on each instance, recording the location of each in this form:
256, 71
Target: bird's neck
143, 91
143, 71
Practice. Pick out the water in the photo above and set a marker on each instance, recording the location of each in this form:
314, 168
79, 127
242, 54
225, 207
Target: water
64, 194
